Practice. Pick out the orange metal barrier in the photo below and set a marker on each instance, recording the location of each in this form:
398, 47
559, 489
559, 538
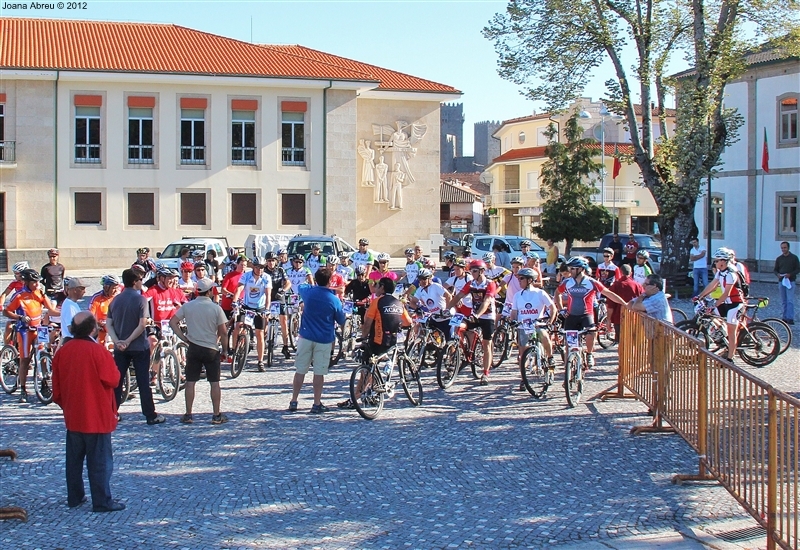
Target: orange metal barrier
746, 433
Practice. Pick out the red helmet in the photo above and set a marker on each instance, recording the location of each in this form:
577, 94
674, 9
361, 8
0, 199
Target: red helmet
187, 266
477, 264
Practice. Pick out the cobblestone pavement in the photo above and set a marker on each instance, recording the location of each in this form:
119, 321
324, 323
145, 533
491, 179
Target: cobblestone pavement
484, 467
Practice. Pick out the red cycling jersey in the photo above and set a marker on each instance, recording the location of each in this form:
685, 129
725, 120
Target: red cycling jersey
580, 296
165, 302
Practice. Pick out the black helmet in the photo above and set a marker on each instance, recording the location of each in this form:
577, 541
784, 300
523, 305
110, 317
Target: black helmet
270, 256
29, 275
365, 242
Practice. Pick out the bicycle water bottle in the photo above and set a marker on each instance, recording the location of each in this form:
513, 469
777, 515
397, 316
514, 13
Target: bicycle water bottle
387, 370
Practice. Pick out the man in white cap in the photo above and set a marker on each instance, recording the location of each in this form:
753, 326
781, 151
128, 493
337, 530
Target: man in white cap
75, 290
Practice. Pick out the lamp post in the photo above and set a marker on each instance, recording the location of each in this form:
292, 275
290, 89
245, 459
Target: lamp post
603, 114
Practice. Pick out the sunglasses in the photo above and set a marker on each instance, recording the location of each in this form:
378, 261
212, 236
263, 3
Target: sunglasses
475, 270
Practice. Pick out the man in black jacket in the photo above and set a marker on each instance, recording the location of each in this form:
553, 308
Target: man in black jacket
787, 266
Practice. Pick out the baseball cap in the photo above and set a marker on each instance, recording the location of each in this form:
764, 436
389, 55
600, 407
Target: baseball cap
75, 283
204, 285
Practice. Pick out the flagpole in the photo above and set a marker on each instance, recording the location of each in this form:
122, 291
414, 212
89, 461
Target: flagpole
764, 171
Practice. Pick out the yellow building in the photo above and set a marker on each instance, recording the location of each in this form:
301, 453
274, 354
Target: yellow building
515, 202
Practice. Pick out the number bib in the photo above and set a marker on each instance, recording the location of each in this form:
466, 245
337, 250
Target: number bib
348, 307
506, 309
166, 330
275, 309
249, 318
456, 320
43, 335
573, 343
529, 326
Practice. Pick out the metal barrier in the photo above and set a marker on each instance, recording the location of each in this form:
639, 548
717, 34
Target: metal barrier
746, 433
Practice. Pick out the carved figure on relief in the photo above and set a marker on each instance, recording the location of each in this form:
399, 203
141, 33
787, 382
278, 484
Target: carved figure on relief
396, 188
401, 145
381, 185
368, 170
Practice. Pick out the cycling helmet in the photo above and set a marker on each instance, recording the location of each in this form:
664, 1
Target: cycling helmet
270, 256
723, 254
299, 258
198, 253
344, 255
173, 273
282, 251
527, 272
361, 270
477, 264
459, 262
52, 251
518, 260
110, 280
19, 267
525, 242
198, 265
365, 242
643, 254
143, 250
577, 262
609, 251
163, 272
187, 266
332, 259
449, 255
257, 262
533, 256
383, 257
488, 257
29, 275
425, 274
409, 251
138, 268
231, 251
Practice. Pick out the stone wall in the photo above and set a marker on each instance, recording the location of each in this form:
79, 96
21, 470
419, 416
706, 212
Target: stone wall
342, 169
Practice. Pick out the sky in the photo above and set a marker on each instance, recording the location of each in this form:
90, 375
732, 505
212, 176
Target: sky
436, 40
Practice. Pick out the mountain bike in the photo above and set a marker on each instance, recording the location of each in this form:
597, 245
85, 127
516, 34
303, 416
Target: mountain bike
294, 309
169, 357
271, 336
575, 365
603, 326
9, 363
537, 375
781, 327
244, 335
426, 342
503, 339
459, 352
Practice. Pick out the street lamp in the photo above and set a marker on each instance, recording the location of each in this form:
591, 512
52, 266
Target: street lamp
604, 113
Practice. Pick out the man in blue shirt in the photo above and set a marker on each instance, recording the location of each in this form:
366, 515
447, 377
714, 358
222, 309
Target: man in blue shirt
653, 302
317, 332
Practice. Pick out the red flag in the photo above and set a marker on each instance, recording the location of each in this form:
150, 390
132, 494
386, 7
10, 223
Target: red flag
617, 164
765, 154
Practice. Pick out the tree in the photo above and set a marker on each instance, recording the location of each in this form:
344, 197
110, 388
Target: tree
568, 212
552, 47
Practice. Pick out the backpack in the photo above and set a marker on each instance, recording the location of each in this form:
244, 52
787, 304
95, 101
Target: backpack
744, 287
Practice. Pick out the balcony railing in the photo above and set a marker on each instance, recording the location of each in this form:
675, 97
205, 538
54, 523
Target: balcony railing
8, 151
616, 195
293, 156
87, 153
193, 154
622, 197
515, 197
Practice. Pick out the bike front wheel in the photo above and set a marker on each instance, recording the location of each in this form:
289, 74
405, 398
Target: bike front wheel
782, 329
477, 360
366, 386
500, 341
449, 365
759, 345
169, 375
410, 379
9, 369
534, 371
43, 378
240, 355
573, 379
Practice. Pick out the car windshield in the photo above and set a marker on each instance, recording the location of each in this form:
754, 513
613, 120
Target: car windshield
304, 247
646, 241
513, 242
174, 250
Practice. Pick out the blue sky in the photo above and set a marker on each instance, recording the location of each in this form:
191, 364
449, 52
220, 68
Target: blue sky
437, 40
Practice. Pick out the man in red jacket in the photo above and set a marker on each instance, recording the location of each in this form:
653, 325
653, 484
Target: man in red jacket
628, 289
84, 379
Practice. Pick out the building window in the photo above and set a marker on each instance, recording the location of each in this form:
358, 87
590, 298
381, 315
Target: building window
293, 139
243, 138
193, 137
787, 216
87, 135
521, 138
140, 135
444, 211
6, 147
243, 209
88, 208
141, 209
717, 216
787, 112
293, 209
193, 208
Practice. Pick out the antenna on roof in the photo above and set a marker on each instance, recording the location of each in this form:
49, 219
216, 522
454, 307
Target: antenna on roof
251, 29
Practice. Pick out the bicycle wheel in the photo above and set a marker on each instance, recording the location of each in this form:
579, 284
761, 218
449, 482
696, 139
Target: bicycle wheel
573, 379
369, 402
294, 331
169, 375
336, 350
533, 370
448, 367
477, 360
605, 333
9, 369
126, 386
678, 315
271, 335
782, 329
692, 329
240, 355
43, 377
759, 345
500, 341
416, 352
409, 378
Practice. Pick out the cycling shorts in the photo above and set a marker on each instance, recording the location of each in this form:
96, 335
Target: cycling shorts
526, 340
259, 323
26, 339
579, 322
486, 325
730, 312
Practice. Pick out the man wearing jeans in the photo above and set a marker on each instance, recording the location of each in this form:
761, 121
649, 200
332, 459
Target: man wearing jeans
125, 324
697, 255
787, 266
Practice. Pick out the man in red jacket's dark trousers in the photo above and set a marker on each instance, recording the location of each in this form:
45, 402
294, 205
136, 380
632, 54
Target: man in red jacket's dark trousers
84, 378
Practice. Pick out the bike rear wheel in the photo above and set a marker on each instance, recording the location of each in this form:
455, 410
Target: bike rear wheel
573, 379
9, 369
534, 371
692, 329
272, 334
410, 379
477, 359
363, 383
240, 355
500, 344
43, 377
605, 333
447, 369
294, 330
782, 329
678, 315
759, 345
169, 375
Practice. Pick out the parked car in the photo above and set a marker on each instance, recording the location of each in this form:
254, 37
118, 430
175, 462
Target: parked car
171, 255
484, 243
329, 244
646, 242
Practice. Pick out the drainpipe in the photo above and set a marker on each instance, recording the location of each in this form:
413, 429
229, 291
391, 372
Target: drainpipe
325, 157
55, 166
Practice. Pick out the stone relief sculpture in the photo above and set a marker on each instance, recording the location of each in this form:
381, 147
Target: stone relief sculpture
400, 143
368, 170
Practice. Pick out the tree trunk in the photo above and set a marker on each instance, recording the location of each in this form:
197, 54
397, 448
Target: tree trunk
568, 247
675, 248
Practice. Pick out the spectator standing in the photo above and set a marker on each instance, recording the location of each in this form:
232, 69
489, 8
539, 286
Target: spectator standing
631, 248
69, 308
787, 266
698, 256
206, 328
552, 257
127, 316
53, 277
317, 333
617, 246
653, 301
501, 255
84, 378
627, 289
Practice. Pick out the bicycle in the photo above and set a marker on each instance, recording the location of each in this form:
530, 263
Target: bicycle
458, 352
537, 375
575, 365
504, 337
273, 327
245, 338
605, 330
169, 355
43, 369
293, 313
9, 363
781, 327
371, 382
426, 342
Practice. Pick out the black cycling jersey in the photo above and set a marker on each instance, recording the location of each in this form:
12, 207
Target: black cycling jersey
278, 276
359, 289
148, 265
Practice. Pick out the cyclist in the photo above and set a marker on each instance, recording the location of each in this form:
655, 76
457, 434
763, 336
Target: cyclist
315, 259
382, 271
483, 292
336, 282
281, 286
229, 284
298, 274
642, 267
359, 291
165, 299
26, 308
52, 277
344, 268
13, 287
449, 259
534, 261
457, 282
254, 291
187, 282
512, 282
497, 274
433, 298
283, 259
229, 262
530, 305
422, 259
412, 267
212, 265
731, 300
607, 271
99, 303
143, 259
581, 291
363, 256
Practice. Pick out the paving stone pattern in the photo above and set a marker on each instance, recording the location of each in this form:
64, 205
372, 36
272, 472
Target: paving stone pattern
483, 467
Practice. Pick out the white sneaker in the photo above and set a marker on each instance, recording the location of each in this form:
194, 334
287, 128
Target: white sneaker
589, 360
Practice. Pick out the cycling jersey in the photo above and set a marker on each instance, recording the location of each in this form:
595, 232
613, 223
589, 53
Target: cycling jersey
432, 297
337, 283
297, 277
727, 278
640, 273
607, 273
313, 263
388, 316
512, 286
229, 284
278, 277
254, 295
98, 306
457, 284
53, 278
495, 273
377, 274
147, 264
345, 271
479, 292
286, 265
362, 258
14, 287
165, 302
29, 303
532, 304
580, 295
359, 290
229, 265
412, 271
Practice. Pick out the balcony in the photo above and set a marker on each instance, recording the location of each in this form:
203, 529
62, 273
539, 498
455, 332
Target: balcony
8, 152
616, 196
512, 198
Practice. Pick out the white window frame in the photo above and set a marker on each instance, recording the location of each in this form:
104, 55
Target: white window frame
89, 147
193, 148
289, 154
790, 141
141, 148
781, 207
716, 233
244, 149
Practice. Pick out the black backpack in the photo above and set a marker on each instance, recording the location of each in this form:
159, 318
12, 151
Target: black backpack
744, 287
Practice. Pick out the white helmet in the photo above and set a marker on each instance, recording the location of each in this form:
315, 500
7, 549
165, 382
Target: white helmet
723, 254
383, 257
19, 267
488, 257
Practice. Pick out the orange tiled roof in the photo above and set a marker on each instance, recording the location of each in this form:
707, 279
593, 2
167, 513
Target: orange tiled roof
159, 48
538, 152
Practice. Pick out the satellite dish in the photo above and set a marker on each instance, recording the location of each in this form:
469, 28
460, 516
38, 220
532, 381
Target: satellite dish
486, 177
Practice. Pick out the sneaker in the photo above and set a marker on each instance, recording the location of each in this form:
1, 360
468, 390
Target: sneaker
219, 419
551, 363
485, 380
286, 353
319, 409
152, 380
115, 506
347, 404
187, 419
589, 360
119, 417
789, 321
522, 387
83, 500
23, 396
292, 406
159, 419
260, 366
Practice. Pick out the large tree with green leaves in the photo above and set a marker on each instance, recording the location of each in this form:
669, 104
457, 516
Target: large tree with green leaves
568, 212
552, 48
